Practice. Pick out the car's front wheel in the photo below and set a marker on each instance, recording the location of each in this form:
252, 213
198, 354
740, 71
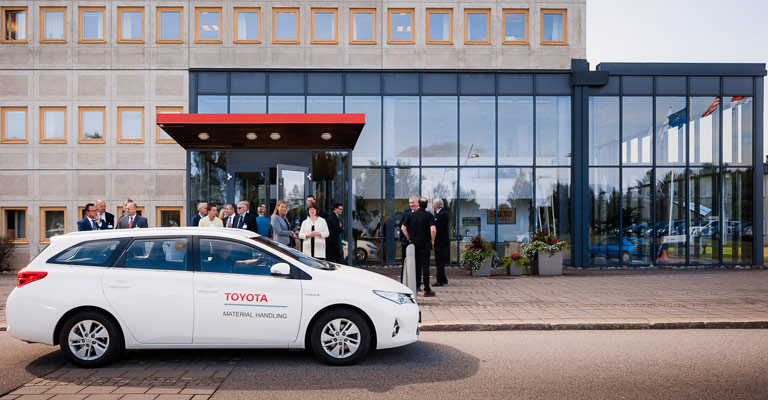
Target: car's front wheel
90, 339
340, 337
361, 254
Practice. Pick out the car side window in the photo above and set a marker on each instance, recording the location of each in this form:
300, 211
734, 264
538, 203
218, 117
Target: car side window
225, 256
96, 253
158, 253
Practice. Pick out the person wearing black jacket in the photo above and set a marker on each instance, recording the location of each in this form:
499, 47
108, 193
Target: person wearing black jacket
336, 228
419, 229
244, 219
442, 241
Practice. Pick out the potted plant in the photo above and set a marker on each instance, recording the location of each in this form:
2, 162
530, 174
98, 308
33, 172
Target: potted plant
516, 264
479, 257
545, 252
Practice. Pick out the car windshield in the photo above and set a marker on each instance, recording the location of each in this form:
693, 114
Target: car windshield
298, 256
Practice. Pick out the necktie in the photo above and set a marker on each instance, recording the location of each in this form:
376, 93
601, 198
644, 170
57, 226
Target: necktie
240, 222
130, 222
95, 225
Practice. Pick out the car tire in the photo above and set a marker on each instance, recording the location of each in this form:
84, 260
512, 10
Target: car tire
361, 254
90, 339
625, 257
336, 325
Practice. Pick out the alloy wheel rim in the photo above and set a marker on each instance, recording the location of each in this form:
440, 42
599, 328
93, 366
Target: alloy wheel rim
88, 340
340, 338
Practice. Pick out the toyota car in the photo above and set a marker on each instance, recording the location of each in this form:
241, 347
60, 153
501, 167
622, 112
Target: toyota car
97, 293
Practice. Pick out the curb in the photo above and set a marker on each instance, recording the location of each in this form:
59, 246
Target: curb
593, 326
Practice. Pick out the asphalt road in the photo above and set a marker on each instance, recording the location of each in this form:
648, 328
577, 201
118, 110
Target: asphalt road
22, 362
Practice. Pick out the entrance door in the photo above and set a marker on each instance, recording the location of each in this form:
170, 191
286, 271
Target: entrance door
292, 188
251, 185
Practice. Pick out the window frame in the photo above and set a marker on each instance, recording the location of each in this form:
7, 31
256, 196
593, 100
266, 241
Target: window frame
120, 125
352, 12
80, 11
504, 13
450, 21
564, 13
26, 23
335, 12
42, 25
390, 11
198, 10
43, 110
2, 125
487, 12
238, 10
120, 11
43, 210
158, 110
80, 138
276, 10
4, 227
159, 28
160, 209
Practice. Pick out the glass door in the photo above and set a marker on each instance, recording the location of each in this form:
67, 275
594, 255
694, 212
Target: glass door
251, 186
292, 188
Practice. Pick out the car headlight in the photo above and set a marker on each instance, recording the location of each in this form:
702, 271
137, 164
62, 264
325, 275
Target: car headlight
395, 297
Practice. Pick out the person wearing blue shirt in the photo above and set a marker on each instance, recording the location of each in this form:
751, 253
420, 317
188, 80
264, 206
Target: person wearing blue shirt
262, 221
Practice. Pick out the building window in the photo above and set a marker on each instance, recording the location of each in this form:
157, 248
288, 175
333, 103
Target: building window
92, 123
439, 26
53, 222
160, 135
168, 216
477, 26
554, 27
15, 223
130, 25
285, 25
169, 25
14, 24
247, 25
53, 124
400, 21
515, 26
130, 124
53, 24
362, 27
13, 124
92, 28
325, 25
207, 25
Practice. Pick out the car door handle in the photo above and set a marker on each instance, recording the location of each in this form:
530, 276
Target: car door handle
208, 289
119, 284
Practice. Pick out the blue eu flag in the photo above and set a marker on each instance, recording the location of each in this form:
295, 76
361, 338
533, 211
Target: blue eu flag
678, 118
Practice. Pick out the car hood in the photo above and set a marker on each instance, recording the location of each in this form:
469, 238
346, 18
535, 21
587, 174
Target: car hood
357, 276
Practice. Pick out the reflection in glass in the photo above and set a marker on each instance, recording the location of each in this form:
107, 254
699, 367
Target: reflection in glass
552, 31
553, 203
477, 27
53, 223
170, 25
636, 213
671, 118
367, 214
286, 104
293, 191
738, 218
54, 25
362, 26
704, 215
637, 130
329, 178
15, 124
670, 225
478, 203
247, 25
515, 120
439, 126
247, 104
439, 26
401, 130
515, 208
207, 178
286, 26
15, 224
367, 151
442, 183
93, 25
553, 130
130, 124
131, 25
514, 27
53, 124
603, 130
326, 105
400, 28
169, 218
477, 130
93, 124
211, 104
208, 25
15, 24
605, 243
704, 131
251, 186
325, 26
737, 130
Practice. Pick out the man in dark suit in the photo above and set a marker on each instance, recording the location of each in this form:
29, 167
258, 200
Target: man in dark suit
91, 222
101, 209
419, 229
333, 241
413, 205
131, 220
244, 218
442, 243
202, 212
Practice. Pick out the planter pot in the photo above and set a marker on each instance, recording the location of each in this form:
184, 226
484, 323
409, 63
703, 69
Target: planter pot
485, 268
515, 270
549, 265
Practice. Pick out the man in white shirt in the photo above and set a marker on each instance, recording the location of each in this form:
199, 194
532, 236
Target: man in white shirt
101, 209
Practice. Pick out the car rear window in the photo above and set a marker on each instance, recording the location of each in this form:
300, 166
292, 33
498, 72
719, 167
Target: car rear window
97, 253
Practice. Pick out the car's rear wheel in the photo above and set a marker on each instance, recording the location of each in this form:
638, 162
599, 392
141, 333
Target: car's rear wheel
625, 257
361, 254
90, 339
340, 337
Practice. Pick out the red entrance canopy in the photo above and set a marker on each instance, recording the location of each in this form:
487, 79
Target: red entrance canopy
263, 131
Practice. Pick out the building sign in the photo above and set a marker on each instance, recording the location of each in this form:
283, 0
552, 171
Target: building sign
507, 216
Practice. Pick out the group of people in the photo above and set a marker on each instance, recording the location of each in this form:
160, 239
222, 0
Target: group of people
97, 217
319, 233
426, 231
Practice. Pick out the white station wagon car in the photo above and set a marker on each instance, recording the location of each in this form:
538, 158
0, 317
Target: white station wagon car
97, 293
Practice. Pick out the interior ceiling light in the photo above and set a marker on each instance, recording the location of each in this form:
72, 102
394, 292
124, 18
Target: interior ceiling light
326, 136
203, 136
251, 135
274, 135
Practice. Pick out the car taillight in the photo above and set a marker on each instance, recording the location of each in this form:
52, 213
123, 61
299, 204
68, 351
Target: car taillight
29, 276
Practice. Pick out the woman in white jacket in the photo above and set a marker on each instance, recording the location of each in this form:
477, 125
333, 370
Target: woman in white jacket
313, 232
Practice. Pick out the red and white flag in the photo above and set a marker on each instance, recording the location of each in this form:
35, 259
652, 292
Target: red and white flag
712, 107
739, 101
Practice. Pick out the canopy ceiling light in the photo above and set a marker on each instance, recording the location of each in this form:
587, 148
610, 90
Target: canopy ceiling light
203, 136
274, 135
251, 136
326, 136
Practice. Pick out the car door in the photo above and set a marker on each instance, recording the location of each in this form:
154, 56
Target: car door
237, 300
150, 288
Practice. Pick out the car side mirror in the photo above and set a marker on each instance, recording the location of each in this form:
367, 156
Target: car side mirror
280, 270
